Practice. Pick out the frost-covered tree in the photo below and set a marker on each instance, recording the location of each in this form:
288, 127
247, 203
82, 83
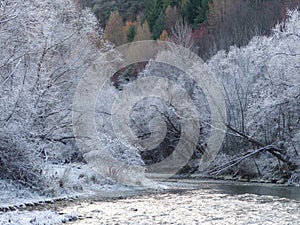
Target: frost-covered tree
181, 34
155, 119
262, 85
45, 46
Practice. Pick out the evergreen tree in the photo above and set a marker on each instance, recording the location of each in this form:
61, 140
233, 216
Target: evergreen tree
158, 27
195, 11
202, 12
155, 16
153, 11
131, 33
130, 30
189, 10
175, 3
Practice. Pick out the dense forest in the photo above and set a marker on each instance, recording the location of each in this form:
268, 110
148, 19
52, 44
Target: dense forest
252, 46
213, 24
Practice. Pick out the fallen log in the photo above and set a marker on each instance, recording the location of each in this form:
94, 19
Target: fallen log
272, 149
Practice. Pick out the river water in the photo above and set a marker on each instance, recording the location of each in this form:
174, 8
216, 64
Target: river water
196, 202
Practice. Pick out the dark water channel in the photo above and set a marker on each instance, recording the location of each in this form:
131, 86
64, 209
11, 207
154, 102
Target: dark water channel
239, 188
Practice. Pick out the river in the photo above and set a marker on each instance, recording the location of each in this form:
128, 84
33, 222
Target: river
195, 202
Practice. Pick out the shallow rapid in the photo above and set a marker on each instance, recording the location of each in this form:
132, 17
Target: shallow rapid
197, 202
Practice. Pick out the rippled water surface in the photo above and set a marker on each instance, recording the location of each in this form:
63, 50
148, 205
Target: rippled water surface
203, 203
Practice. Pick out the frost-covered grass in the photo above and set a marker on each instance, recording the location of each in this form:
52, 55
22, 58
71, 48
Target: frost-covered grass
68, 181
65, 181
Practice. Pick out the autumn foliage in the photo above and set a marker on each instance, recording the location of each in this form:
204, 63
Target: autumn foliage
216, 24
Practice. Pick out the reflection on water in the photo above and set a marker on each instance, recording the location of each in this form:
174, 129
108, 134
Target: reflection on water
237, 188
258, 189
